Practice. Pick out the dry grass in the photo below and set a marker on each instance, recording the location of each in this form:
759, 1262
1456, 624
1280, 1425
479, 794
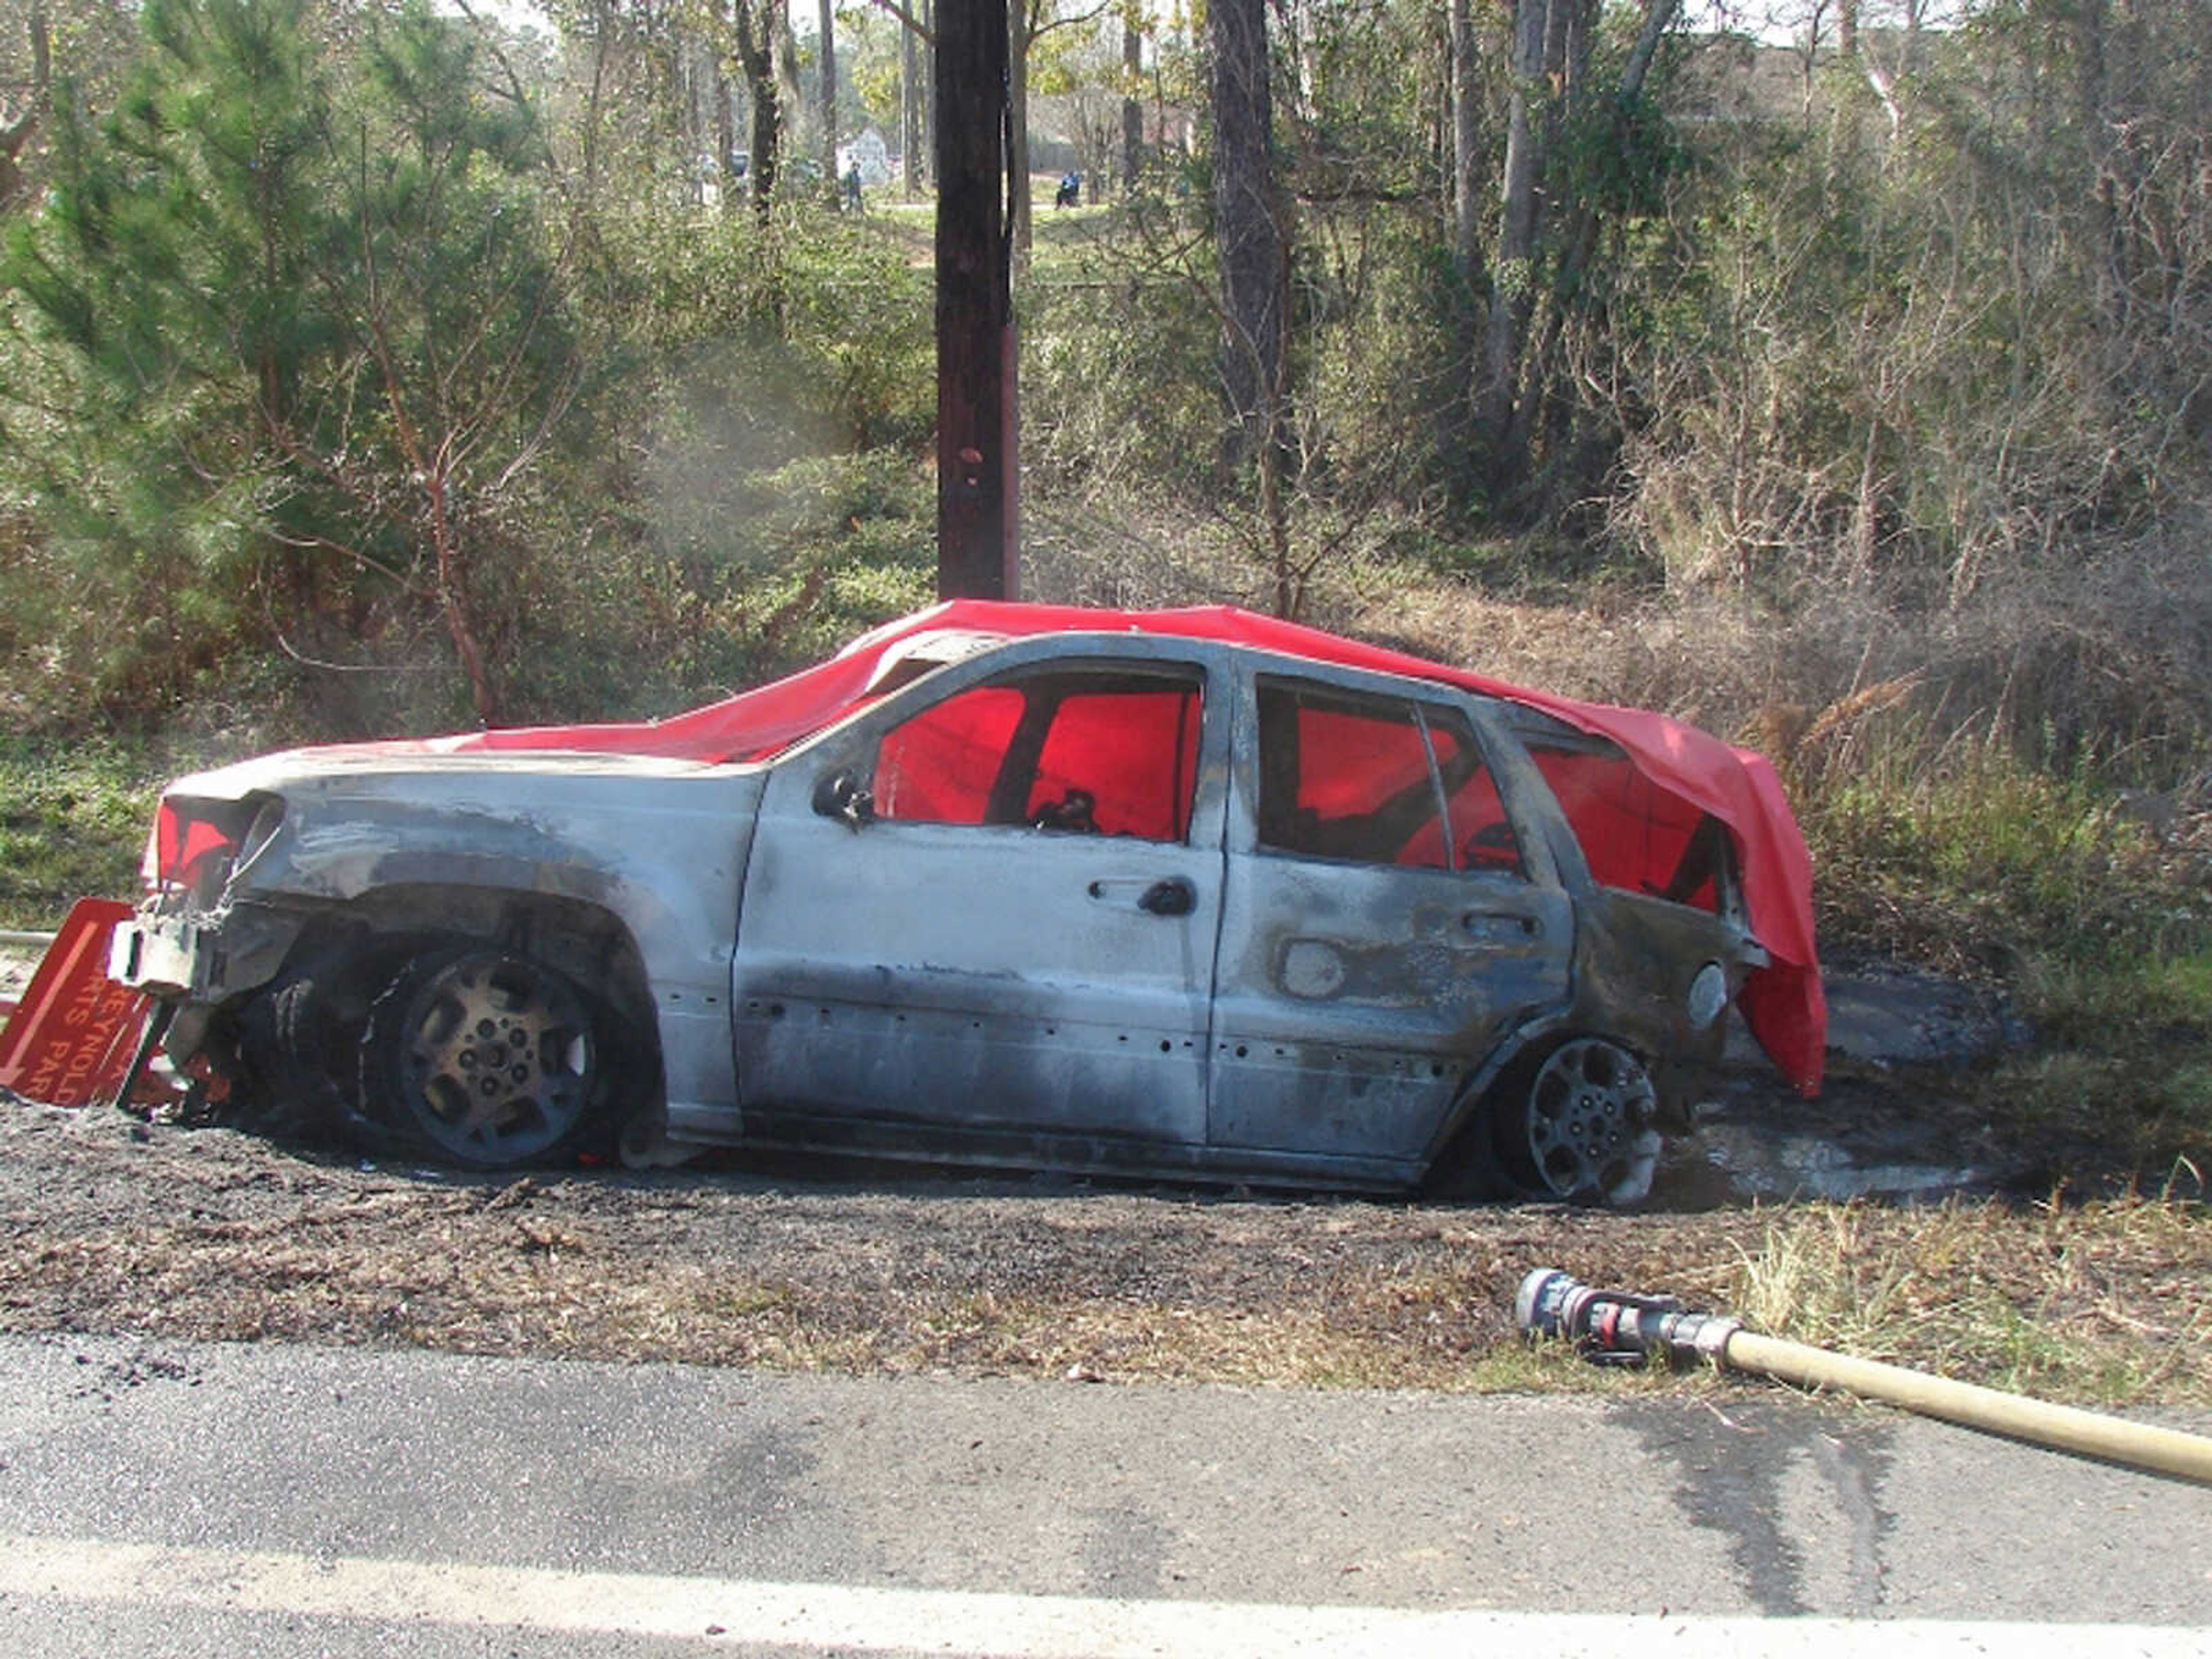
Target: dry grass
2101, 1302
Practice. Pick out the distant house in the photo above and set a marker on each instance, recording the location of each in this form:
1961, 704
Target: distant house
870, 154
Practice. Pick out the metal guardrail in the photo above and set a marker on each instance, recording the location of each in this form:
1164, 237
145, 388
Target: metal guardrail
14, 939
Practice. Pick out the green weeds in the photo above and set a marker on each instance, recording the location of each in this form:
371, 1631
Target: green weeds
73, 818
2098, 924
1977, 862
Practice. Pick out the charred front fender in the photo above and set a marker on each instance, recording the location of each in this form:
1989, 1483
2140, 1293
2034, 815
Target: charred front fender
595, 858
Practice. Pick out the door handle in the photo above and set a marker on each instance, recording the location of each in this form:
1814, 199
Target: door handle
1502, 926
1174, 897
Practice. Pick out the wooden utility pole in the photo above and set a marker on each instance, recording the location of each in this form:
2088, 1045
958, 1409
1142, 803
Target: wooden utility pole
978, 474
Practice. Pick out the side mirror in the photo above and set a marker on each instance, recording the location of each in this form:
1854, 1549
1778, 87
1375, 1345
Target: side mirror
839, 795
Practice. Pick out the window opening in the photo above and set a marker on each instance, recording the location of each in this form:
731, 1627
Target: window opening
1482, 836
1346, 776
1377, 780
1635, 835
1096, 751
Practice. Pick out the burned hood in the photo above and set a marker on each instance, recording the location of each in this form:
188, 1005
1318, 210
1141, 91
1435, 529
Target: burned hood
1684, 771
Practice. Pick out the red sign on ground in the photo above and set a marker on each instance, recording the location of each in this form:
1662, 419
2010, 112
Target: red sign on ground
70, 1041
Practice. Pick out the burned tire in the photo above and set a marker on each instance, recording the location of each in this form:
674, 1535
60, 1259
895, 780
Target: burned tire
1575, 1124
300, 1039
487, 1058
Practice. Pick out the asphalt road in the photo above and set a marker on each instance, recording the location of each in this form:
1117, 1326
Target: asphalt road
159, 1499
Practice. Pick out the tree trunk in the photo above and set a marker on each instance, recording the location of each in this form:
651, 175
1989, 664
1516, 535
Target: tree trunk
433, 471
1455, 429
1248, 225
831, 181
1658, 18
910, 132
692, 144
1558, 26
1514, 269
1133, 110
453, 597
1024, 25
726, 141
1573, 228
757, 32
16, 132
767, 135
2100, 194
793, 95
1507, 417
1467, 144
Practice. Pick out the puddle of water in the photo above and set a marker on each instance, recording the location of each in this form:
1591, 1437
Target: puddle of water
1883, 1128
1904, 1140
1723, 1165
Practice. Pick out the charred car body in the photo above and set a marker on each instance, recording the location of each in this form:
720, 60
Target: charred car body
1176, 893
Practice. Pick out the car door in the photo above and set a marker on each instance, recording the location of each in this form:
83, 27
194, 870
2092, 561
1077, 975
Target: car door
981, 922
1387, 919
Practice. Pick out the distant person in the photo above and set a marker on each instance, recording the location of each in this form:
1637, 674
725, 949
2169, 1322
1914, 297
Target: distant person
852, 188
1071, 188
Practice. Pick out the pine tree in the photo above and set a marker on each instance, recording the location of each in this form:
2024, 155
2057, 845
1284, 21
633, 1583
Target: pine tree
304, 301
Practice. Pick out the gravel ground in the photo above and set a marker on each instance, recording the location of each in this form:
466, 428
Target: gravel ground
111, 1224
106, 1223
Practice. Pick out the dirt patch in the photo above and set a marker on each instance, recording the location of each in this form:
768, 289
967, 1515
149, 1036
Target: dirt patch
110, 1225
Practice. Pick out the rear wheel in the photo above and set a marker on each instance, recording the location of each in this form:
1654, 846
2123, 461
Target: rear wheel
1578, 1126
489, 1058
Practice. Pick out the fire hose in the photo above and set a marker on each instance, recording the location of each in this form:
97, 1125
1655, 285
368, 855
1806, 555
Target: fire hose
1621, 1327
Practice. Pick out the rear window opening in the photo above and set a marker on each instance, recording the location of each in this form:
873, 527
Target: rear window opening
1634, 835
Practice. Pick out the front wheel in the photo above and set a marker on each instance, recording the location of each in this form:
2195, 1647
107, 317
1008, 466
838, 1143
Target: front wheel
1579, 1126
490, 1059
